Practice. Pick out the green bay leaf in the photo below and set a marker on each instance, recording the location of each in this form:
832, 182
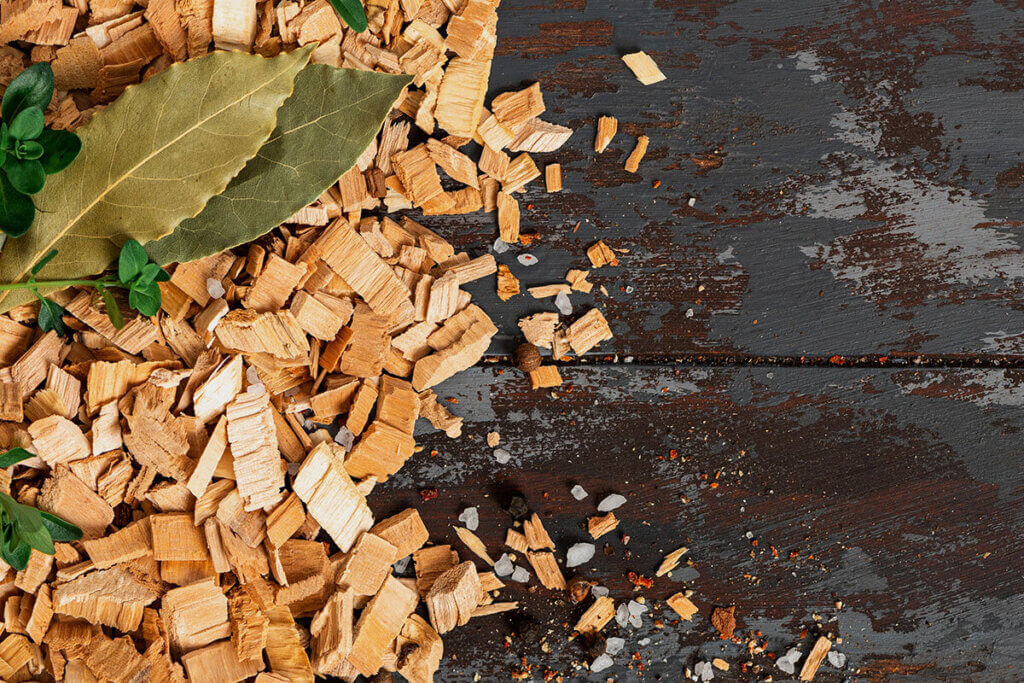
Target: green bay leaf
330, 119
151, 159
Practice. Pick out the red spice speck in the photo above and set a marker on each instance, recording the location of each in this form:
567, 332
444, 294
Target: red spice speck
428, 494
639, 581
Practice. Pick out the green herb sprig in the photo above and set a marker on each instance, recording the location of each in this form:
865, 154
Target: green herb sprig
135, 272
23, 527
351, 12
29, 151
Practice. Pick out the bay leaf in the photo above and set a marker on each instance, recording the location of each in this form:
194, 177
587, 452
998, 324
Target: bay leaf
329, 120
151, 159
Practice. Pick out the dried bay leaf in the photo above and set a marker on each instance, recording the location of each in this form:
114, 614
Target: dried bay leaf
150, 160
329, 120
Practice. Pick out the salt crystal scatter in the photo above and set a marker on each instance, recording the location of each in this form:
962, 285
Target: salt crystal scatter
643, 642
611, 502
601, 663
520, 575
258, 389
471, 518
599, 591
345, 438
635, 609
500, 246
504, 566
527, 259
502, 456
613, 646
621, 615
401, 565
579, 553
836, 659
563, 304
578, 492
214, 288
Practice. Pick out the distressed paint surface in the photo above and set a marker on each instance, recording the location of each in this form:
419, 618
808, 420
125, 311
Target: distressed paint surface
898, 492
856, 169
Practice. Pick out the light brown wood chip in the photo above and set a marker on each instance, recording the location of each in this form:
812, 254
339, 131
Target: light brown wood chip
671, 560
600, 525
597, 615
453, 596
331, 498
682, 606
814, 659
600, 254
380, 622
637, 155
553, 177
607, 126
643, 67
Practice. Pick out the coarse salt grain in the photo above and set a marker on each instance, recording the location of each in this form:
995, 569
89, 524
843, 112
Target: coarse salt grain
599, 591
613, 646
578, 492
471, 518
563, 304
214, 288
520, 575
527, 259
502, 456
600, 663
837, 659
345, 438
401, 565
504, 566
579, 553
500, 246
611, 502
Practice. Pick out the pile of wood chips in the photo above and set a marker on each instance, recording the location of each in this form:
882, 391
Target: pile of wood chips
180, 444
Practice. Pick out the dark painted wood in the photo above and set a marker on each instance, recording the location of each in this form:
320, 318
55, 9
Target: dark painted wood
856, 169
898, 493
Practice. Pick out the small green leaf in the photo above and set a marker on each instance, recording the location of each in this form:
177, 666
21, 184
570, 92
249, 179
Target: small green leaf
351, 12
145, 299
39, 537
28, 124
60, 531
5, 136
16, 209
60, 149
17, 557
51, 316
33, 87
43, 261
131, 261
30, 150
14, 456
27, 177
113, 311
148, 274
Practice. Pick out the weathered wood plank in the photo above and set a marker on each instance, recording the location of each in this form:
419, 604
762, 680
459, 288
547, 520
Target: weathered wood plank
856, 172
896, 492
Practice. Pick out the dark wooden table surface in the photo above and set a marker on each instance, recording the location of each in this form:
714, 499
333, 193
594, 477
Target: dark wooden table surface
826, 339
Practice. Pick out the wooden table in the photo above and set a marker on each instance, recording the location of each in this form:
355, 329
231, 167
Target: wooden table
826, 340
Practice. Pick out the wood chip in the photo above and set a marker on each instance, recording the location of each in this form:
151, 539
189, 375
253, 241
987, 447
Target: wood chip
546, 376
637, 155
671, 560
601, 525
607, 126
546, 566
597, 615
379, 624
553, 177
331, 498
453, 596
475, 545
588, 331
643, 67
814, 658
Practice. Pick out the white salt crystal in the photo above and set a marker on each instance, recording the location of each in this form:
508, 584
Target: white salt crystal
579, 553
621, 615
563, 304
471, 518
500, 246
527, 259
502, 456
345, 438
635, 607
613, 646
401, 565
214, 288
787, 662
836, 659
578, 492
611, 502
520, 575
599, 591
704, 670
504, 566
691, 201
258, 389
643, 642
601, 663
251, 375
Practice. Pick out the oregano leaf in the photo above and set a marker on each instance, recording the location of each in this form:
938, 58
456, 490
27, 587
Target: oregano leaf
113, 311
14, 456
60, 531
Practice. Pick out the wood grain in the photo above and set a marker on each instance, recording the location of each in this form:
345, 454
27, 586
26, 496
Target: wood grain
898, 493
856, 171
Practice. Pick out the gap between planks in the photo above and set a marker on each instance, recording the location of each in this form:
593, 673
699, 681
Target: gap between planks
812, 361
